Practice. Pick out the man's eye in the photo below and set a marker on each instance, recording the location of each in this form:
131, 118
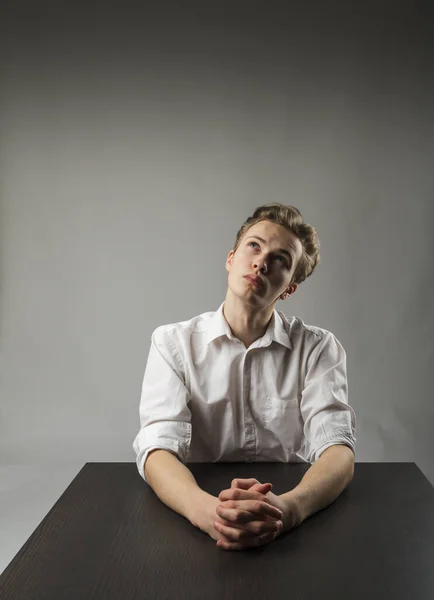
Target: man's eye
283, 260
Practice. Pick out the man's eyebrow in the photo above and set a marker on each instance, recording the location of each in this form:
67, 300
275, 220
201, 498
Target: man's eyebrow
264, 242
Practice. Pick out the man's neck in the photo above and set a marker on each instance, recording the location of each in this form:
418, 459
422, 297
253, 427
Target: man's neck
247, 323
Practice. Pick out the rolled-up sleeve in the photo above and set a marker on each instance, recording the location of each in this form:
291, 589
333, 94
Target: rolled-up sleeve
165, 419
328, 418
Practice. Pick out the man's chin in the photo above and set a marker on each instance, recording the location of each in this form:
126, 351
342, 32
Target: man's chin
250, 299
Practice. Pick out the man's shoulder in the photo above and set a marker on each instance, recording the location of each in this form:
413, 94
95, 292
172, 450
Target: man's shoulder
196, 324
297, 328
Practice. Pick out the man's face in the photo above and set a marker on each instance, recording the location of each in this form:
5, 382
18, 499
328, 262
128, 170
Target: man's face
270, 252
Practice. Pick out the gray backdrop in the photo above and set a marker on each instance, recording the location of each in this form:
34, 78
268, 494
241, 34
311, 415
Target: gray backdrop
134, 143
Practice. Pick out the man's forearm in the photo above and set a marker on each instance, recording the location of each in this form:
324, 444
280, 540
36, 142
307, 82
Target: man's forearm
322, 483
173, 483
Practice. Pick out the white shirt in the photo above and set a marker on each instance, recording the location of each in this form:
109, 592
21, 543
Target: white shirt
208, 398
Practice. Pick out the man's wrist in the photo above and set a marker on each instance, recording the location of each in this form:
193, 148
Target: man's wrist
292, 509
199, 506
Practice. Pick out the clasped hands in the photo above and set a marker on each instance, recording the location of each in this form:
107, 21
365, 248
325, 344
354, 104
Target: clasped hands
249, 515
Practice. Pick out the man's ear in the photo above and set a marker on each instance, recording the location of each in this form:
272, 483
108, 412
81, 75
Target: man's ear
229, 260
289, 291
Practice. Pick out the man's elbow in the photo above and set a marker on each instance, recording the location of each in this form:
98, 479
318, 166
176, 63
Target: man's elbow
351, 459
347, 459
154, 458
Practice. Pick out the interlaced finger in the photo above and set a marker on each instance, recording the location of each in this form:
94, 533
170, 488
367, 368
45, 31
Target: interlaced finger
243, 484
250, 542
244, 508
250, 527
236, 515
239, 494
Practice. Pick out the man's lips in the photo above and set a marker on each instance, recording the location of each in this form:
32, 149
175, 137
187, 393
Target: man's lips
254, 280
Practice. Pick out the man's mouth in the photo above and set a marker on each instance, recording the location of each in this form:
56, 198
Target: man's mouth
255, 280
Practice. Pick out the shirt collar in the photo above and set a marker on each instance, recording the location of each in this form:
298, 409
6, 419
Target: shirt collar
276, 331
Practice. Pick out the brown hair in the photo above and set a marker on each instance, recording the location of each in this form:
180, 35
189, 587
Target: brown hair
291, 218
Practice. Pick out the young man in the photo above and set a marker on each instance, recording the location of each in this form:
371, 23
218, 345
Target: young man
245, 383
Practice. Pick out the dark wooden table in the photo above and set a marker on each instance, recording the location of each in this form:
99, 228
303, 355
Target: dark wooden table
109, 537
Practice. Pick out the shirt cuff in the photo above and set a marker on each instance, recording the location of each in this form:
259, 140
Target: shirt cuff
344, 438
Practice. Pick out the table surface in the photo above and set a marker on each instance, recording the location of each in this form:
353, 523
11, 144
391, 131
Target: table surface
109, 536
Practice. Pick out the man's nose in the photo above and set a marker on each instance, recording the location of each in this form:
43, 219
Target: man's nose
261, 264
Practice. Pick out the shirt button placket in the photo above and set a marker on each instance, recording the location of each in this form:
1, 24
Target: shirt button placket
250, 432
